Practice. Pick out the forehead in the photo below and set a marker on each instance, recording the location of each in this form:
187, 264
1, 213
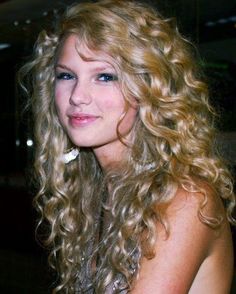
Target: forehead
73, 46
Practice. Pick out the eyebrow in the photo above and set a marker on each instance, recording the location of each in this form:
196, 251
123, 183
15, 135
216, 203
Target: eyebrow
62, 66
95, 69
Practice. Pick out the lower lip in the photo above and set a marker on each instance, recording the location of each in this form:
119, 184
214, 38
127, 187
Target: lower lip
82, 121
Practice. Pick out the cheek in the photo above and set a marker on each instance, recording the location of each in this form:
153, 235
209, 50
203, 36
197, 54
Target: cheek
112, 106
59, 99
112, 101
58, 93
129, 120
60, 109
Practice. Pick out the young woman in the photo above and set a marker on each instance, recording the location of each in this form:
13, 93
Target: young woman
132, 192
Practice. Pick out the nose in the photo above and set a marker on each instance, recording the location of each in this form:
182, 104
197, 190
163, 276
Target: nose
80, 94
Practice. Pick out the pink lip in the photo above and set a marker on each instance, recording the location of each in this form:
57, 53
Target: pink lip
82, 119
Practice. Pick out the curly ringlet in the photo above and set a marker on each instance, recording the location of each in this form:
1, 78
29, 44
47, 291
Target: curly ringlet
174, 130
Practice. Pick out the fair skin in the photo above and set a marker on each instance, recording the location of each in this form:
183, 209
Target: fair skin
194, 258
89, 100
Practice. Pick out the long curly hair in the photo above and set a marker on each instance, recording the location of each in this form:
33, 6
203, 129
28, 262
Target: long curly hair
173, 143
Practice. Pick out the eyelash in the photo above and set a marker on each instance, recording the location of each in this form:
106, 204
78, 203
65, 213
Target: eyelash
104, 77
64, 76
107, 77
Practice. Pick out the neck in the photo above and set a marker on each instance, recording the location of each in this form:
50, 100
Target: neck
110, 156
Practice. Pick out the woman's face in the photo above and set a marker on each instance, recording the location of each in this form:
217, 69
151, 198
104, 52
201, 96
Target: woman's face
88, 97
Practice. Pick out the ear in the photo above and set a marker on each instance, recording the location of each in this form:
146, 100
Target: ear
134, 103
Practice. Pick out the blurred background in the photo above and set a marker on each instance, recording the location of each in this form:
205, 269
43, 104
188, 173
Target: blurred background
210, 24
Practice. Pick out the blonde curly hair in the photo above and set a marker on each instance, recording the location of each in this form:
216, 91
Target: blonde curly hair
172, 146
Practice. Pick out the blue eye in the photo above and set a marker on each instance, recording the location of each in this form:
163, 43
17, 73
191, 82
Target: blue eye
107, 77
64, 76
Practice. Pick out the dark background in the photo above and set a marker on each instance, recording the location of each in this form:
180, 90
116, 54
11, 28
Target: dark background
210, 24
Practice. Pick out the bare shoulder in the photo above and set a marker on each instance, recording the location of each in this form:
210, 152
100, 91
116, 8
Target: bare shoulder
206, 201
192, 251
194, 213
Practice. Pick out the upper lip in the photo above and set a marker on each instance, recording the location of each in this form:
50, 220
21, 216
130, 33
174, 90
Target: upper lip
81, 115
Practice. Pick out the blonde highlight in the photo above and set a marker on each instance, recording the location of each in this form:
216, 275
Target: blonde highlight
174, 130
